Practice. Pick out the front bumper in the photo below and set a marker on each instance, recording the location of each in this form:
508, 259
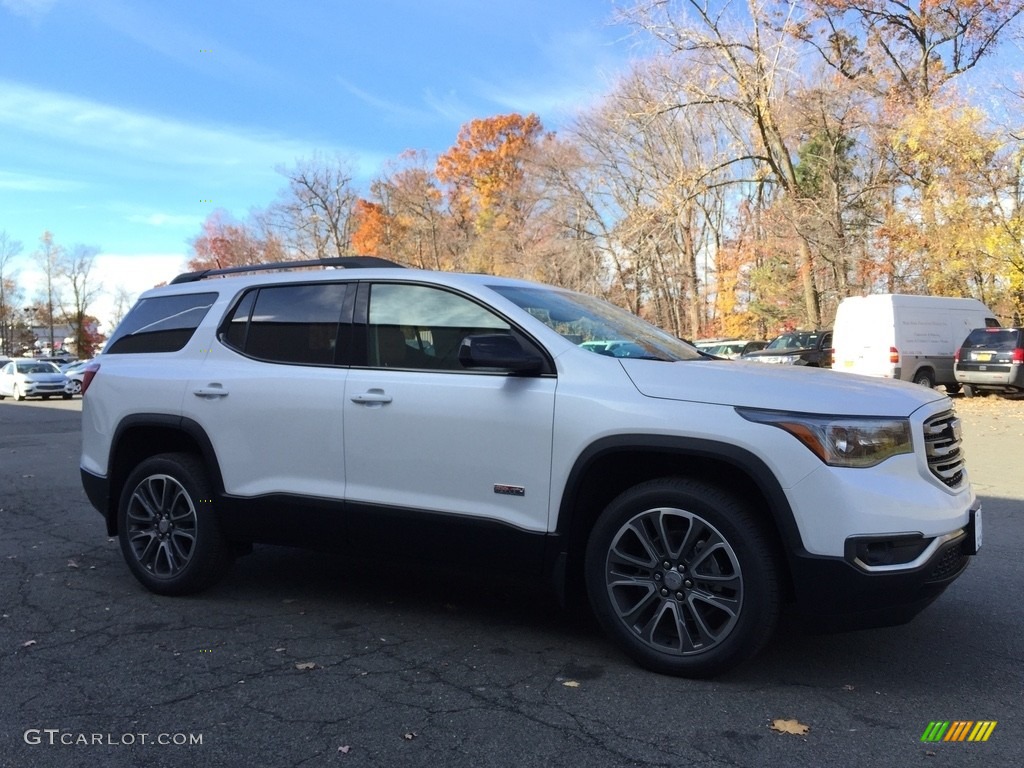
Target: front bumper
834, 594
39, 390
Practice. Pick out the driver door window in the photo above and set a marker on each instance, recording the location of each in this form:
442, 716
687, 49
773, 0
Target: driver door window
420, 327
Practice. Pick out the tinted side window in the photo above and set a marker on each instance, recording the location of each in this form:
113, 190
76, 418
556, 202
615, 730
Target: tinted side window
288, 323
418, 326
160, 324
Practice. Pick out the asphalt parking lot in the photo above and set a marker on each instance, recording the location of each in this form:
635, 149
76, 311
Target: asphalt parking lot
298, 659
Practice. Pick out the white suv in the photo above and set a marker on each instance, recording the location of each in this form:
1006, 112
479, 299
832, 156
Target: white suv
435, 416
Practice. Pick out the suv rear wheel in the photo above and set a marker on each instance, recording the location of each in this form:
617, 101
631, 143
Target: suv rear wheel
681, 575
169, 534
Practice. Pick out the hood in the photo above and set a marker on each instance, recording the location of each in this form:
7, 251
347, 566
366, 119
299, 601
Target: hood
44, 378
782, 387
780, 351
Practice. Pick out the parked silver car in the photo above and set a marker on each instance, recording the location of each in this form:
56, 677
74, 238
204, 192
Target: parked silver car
75, 372
32, 378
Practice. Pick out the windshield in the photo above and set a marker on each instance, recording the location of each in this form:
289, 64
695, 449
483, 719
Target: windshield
598, 326
37, 367
795, 340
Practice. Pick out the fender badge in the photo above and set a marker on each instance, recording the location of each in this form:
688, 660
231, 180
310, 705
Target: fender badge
509, 490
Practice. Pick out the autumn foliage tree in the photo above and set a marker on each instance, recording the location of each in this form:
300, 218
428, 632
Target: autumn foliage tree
225, 242
370, 228
485, 174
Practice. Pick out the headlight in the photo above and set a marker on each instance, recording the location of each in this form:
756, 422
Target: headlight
841, 441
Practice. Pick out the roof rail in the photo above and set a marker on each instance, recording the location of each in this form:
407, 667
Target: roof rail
346, 262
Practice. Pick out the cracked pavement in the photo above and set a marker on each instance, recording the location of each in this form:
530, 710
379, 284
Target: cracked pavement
303, 659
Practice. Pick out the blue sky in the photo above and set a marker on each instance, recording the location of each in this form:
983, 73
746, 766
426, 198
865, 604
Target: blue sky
124, 123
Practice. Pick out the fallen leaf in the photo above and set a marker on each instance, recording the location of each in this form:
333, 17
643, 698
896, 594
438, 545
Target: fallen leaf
72, 564
280, 650
794, 727
410, 736
571, 684
28, 643
345, 749
306, 665
847, 687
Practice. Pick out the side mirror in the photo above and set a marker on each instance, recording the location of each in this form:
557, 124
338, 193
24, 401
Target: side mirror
500, 351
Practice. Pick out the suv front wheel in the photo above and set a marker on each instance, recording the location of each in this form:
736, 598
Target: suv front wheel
681, 575
169, 534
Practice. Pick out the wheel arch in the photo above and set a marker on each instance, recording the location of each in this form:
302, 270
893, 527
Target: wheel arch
926, 368
142, 435
612, 465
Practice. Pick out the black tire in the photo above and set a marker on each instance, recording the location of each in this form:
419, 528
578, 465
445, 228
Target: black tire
968, 390
670, 608
170, 536
925, 378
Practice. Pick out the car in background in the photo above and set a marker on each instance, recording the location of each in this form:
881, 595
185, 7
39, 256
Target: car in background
807, 348
32, 378
733, 348
614, 348
991, 360
75, 372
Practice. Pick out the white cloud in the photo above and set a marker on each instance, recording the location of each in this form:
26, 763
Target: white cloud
162, 219
155, 28
32, 9
389, 108
88, 124
24, 182
150, 141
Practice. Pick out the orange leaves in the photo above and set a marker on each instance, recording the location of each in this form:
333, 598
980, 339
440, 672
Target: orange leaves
485, 166
370, 229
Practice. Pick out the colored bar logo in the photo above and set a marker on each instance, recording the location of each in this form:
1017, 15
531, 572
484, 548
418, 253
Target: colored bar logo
958, 730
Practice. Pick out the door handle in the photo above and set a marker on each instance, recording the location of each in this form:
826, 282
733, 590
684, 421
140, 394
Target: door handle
211, 392
373, 397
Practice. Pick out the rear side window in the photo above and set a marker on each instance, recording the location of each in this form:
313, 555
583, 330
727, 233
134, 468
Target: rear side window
160, 324
289, 324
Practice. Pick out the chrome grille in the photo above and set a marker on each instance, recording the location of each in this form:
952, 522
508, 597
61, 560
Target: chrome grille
942, 445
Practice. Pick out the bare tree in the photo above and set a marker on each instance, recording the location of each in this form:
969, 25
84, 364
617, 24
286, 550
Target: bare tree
75, 266
9, 249
123, 301
48, 257
313, 215
749, 70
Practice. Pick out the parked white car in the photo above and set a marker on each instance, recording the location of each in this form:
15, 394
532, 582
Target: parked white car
32, 378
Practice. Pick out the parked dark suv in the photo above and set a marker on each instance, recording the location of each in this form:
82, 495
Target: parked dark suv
810, 348
991, 360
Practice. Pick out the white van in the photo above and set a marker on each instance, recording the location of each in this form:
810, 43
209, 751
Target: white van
913, 338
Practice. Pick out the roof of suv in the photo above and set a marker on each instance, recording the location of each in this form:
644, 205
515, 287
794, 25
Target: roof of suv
298, 272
